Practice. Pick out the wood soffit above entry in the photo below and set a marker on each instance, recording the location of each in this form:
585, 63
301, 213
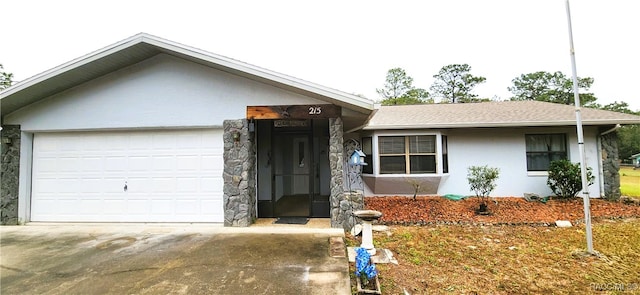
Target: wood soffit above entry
316, 111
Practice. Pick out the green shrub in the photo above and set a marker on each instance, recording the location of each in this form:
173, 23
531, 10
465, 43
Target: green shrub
482, 180
565, 179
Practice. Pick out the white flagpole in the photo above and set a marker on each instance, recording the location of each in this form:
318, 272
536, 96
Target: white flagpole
583, 165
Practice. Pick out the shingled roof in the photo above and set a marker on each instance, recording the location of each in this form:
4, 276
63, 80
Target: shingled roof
491, 114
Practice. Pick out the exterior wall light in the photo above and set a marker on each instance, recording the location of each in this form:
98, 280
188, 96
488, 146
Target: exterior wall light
236, 136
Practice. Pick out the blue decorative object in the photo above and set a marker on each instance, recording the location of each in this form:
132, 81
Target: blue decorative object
357, 158
365, 270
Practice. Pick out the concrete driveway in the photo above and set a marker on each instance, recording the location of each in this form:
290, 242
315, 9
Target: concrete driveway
170, 259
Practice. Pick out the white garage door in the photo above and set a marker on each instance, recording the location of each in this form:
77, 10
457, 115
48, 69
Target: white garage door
133, 176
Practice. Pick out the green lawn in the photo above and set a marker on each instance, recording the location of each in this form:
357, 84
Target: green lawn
630, 181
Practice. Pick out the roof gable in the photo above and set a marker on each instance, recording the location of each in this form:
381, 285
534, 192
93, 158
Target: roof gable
143, 46
491, 114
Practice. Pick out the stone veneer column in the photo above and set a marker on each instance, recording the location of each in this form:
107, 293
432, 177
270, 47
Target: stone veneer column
610, 166
239, 198
352, 201
335, 162
10, 169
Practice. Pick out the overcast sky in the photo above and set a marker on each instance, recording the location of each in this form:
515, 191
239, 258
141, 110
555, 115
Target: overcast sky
349, 45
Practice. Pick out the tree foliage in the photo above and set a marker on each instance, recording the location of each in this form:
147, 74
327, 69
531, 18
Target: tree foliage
628, 136
620, 107
399, 89
5, 78
454, 83
628, 141
565, 178
551, 87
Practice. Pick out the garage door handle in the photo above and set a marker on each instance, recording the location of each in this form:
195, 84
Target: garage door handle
125, 186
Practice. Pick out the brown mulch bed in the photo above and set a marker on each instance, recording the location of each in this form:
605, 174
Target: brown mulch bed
400, 210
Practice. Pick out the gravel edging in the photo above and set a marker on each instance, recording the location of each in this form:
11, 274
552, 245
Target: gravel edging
475, 223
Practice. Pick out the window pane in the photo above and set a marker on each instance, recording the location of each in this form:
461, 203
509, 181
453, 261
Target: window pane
541, 161
537, 162
546, 142
445, 155
391, 145
423, 164
392, 165
544, 148
367, 150
422, 144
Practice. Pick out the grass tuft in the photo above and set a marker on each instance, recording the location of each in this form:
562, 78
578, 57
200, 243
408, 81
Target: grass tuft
630, 182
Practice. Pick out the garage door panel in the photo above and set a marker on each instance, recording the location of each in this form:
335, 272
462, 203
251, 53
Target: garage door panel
188, 163
114, 207
93, 142
187, 185
164, 163
91, 206
139, 163
45, 185
212, 207
59, 186
68, 164
185, 207
115, 163
162, 207
212, 163
171, 176
211, 185
138, 207
48, 165
163, 185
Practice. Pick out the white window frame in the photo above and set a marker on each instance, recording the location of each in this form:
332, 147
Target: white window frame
386, 133
544, 172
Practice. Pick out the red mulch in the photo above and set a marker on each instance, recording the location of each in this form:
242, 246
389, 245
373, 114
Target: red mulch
510, 210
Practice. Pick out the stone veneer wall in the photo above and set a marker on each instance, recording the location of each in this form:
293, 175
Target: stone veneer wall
342, 204
239, 174
10, 169
610, 166
351, 201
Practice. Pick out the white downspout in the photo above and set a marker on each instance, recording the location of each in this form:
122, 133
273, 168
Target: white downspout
600, 166
611, 130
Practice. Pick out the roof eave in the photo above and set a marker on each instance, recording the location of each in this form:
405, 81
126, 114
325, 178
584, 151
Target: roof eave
343, 99
499, 124
70, 65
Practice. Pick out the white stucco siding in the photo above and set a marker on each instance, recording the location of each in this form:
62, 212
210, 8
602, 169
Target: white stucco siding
163, 91
506, 150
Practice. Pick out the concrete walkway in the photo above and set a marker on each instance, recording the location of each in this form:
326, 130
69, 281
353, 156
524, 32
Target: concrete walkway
171, 259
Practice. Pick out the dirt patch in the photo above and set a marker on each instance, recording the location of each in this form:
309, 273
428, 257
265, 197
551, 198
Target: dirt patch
400, 210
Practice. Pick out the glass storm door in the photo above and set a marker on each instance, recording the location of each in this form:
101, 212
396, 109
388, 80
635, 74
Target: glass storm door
292, 175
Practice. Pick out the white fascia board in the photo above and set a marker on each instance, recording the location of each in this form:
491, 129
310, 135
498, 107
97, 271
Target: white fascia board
85, 59
499, 124
196, 53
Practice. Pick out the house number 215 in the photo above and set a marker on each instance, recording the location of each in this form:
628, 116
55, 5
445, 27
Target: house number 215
315, 110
